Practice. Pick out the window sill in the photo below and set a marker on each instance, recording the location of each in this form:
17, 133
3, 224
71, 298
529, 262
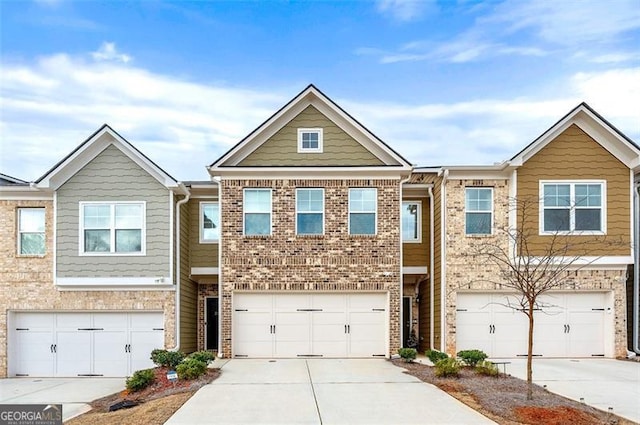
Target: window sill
363, 236
31, 255
257, 236
479, 236
310, 236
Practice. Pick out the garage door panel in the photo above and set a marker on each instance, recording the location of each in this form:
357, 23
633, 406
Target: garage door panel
472, 330
252, 334
510, 333
73, 351
110, 354
291, 302
366, 302
549, 331
329, 335
255, 302
35, 357
141, 345
364, 334
586, 333
73, 321
292, 334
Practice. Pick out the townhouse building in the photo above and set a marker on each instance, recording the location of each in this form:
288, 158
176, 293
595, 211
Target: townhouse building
310, 238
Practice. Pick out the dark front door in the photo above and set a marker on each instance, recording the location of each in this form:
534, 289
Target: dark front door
211, 324
406, 320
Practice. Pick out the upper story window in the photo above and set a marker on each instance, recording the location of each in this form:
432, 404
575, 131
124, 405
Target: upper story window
309, 140
572, 206
112, 227
209, 222
257, 212
478, 210
309, 211
31, 238
411, 221
363, 205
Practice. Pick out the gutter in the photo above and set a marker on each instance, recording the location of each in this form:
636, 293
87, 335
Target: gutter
431, 261
443, 259
218, 180
403, 181
636, 272
181, 202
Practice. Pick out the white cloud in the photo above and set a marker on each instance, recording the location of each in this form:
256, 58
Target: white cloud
53, 104
405, 10
108, 52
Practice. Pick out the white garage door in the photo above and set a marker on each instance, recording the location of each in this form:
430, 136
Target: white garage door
566, 325
84, 344
309, 325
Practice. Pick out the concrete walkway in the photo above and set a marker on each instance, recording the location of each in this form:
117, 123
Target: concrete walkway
321, 391
73, 393
601, 383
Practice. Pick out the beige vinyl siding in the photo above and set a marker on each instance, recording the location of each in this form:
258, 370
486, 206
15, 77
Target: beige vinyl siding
574, 155
112, 176
339, 149
201, 254
417, 254
188, 288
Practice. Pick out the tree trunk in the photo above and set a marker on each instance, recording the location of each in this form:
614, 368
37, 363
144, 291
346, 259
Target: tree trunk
530, 354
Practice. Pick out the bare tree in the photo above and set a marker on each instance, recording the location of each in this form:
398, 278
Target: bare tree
531, 265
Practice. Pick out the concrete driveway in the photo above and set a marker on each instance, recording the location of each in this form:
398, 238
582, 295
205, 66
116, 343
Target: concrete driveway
321, 391
601, 383
72, 393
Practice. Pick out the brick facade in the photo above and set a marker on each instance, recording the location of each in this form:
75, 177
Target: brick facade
333, 262
26, 282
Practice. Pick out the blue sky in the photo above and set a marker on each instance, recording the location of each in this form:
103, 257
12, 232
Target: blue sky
442, 82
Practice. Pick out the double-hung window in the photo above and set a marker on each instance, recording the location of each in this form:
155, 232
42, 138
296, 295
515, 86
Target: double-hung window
478, 210
309, 140
112, 228
31, 239
257, 212
309, 211
209, 222
411, 221
362, 211
572, 206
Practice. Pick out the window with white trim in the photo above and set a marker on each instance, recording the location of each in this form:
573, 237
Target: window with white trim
309, 211
478, 210
411, 221
363, 204
257, 212
572, 206
209, 222
31, 237
310, 140
112, 227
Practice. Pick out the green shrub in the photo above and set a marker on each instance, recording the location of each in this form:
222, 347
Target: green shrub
485, 367
140, 379
408, 354
447, 367
168, 359
472, 357
435, 355
204, 356
191, 369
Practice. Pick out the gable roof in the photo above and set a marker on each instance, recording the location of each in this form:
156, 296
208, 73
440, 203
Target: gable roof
92, 147
598, 128
311, 95
6, 180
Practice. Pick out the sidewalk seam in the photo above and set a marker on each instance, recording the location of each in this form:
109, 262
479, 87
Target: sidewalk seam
313, 391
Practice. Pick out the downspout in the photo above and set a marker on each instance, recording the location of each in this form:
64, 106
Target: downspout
177, 245
431, 261
218, 180
636, 271
401, 266
443, 260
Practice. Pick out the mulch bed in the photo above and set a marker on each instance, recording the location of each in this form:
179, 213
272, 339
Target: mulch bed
503, 399
162, 387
